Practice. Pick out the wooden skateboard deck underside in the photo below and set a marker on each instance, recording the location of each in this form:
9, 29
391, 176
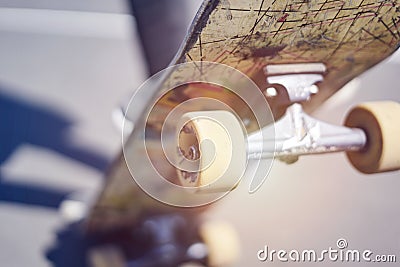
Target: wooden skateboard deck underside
347, 36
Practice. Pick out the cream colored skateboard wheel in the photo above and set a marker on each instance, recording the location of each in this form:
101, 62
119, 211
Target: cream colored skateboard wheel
380, 122
212, 143
106, 256
222, 243
191, 264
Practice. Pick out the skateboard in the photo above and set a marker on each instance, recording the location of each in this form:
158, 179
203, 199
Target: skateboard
239, 90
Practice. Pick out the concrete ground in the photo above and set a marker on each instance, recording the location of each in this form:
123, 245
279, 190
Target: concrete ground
64, 67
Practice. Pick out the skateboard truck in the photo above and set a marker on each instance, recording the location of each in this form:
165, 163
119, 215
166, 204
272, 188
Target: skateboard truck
294, 134
297, 133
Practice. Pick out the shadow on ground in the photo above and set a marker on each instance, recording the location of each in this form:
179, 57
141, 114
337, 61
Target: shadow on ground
24, 123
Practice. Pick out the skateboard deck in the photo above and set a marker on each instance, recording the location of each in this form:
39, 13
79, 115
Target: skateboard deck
348, 37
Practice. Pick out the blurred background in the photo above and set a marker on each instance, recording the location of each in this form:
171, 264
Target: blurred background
64, 67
